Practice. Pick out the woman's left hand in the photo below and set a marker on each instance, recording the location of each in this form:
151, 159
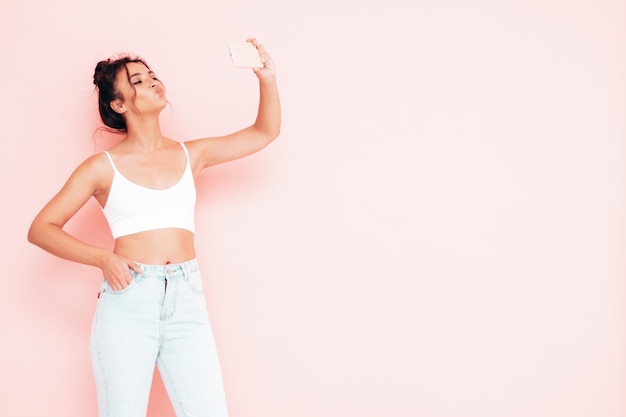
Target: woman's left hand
268, 69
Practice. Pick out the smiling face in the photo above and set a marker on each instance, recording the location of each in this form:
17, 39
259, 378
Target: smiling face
142, 92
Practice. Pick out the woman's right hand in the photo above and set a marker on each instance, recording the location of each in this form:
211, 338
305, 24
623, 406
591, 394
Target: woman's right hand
116, 270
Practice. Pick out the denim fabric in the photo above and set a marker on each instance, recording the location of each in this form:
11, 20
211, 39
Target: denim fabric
160, 318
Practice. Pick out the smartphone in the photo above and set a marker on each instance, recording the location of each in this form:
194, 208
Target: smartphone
244, 55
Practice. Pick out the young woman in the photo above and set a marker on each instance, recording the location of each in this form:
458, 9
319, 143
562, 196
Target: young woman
151, 308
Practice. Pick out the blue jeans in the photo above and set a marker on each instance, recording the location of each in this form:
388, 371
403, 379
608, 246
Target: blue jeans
160, 318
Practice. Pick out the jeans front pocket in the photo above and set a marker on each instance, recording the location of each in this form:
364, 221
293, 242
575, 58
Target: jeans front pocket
195, 283
110, 290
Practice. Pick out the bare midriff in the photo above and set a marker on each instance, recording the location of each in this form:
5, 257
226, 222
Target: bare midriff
157, 247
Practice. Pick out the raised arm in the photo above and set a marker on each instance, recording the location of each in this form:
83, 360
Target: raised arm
266, 127
46, 230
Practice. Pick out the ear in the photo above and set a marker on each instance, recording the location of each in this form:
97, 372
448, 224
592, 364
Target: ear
118, 106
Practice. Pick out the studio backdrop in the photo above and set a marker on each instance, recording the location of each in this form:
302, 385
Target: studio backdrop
437, 232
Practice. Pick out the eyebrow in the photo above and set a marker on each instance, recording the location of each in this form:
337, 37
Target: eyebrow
138, 73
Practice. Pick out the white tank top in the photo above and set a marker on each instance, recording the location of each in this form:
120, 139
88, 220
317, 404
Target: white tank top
132, 208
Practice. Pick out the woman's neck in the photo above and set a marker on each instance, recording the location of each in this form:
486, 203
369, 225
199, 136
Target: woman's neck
144, 136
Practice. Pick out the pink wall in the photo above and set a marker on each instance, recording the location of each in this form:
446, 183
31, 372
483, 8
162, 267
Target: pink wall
438, 232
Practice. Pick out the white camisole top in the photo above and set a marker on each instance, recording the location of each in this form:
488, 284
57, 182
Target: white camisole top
132, 208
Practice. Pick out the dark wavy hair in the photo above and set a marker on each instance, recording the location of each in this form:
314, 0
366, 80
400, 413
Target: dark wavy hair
104, 79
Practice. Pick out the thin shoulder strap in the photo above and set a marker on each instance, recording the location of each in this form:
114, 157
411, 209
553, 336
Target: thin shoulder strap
110, 160
185, 149
186, 153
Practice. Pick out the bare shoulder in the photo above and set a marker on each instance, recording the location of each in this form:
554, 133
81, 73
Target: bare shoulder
90, 178
96, 165
194, 145
196, 149
96, 171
